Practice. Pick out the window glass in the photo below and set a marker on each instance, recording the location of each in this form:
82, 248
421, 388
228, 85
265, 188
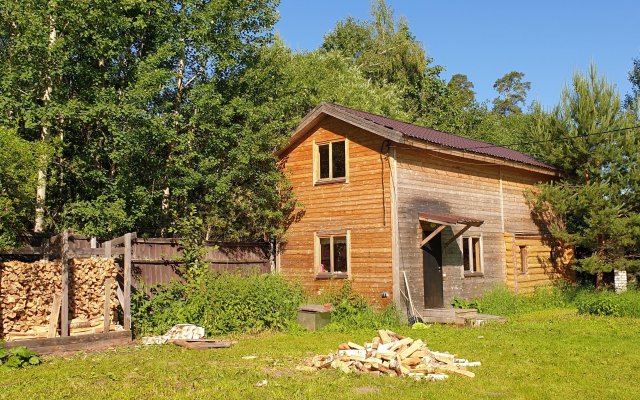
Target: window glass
475, 248
523, 259
465, 254
340, 254
324, 161
338, 159
325, 255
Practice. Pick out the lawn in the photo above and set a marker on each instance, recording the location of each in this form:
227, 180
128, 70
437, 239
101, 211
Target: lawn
543, 355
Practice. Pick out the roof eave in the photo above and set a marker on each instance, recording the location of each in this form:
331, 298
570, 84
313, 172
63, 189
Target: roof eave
327, 109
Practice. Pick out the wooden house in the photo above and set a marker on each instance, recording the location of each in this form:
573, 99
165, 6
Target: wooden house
407, 212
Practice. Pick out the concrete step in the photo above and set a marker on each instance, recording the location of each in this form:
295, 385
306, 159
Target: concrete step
460, 316
448, 315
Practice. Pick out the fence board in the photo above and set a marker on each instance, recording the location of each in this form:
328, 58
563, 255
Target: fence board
156, 261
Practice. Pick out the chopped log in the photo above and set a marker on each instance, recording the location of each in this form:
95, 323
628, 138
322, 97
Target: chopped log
400, 343
409, 350
355, 346
384, 336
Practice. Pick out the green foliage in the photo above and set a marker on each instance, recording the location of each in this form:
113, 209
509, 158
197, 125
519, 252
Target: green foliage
189, 229
352, 311
17, 357
501, 301
459, 302
19, 161
605, 303
103, 217
221, 303
587, 300
596, 207
512, 91
632, 100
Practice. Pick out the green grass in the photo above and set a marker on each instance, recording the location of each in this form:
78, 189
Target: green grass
546, 354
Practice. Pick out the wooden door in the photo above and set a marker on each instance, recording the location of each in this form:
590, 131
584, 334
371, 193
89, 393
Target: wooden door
432, 272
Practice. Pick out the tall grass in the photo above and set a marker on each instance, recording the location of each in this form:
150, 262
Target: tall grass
587, 300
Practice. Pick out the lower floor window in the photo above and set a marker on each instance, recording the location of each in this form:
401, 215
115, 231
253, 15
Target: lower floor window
333, 255
472, 254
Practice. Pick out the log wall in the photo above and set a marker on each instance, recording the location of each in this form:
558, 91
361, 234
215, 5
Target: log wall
546, 263
435, 182
362, 205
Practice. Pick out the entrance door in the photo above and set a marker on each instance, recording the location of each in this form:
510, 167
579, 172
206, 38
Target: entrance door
432, 272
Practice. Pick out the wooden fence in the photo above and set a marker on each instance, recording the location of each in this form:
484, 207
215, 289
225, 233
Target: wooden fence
154, 260
157, 261
143, 262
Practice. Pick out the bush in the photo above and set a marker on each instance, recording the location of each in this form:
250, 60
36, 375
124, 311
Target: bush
17, 357
603, 303
221, 303
352, 311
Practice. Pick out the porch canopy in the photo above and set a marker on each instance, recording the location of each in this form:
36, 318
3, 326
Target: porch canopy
444, 220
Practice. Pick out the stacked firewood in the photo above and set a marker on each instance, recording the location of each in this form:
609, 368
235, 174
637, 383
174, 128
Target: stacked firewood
27, 293
86, 287
392, 354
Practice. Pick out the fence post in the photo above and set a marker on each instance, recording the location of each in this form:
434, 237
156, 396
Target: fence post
107, 249
64, 317
127, 282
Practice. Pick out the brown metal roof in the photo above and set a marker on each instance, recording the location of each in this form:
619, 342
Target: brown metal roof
446, 139
448, 219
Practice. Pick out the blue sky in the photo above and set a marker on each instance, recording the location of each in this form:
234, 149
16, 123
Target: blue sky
547, 40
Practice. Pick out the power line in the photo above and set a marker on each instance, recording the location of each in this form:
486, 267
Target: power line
564, 138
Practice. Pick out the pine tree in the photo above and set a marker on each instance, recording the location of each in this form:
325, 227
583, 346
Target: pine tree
596, 206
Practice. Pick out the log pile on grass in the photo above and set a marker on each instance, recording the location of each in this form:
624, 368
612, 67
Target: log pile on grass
395, 355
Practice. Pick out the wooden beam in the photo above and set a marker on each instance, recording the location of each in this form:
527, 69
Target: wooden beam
62, 345
126, 308
432, 235
85, 253
26, 250
107, 248
107, 306
64, 321
118, 241
55, 315
457, 235
120, 295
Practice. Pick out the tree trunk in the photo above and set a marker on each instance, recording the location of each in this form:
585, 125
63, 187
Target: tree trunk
41, 190
599, 278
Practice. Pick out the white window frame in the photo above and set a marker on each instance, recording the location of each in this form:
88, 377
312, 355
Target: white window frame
318, 254
316, 162
478, 271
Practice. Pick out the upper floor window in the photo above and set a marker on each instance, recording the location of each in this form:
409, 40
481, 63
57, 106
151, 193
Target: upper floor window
331, 161
472, 255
